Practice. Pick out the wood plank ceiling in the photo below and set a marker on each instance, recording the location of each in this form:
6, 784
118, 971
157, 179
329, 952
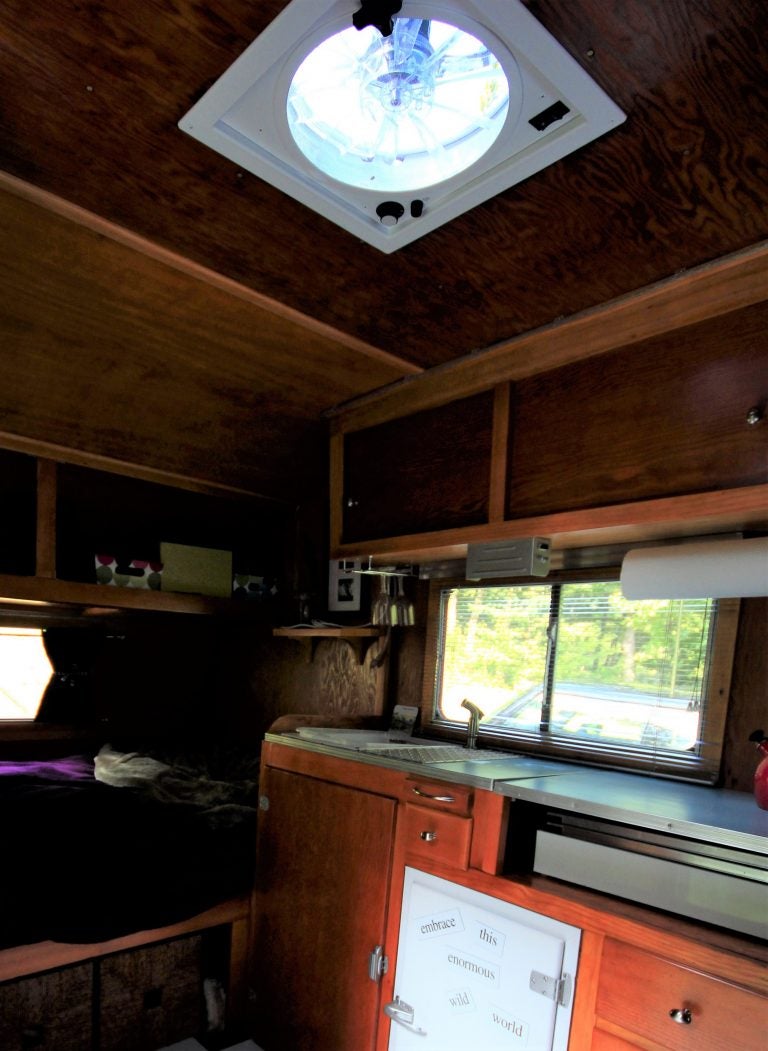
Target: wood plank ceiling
229, 381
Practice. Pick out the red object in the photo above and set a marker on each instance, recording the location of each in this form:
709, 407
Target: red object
761, 776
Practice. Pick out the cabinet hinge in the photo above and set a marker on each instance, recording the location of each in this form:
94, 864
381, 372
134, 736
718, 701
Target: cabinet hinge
378, 964
557, 989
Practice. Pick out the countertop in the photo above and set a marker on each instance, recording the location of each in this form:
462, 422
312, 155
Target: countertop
713, 815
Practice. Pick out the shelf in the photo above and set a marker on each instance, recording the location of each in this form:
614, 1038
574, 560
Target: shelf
51, 591
61, 512
358, 638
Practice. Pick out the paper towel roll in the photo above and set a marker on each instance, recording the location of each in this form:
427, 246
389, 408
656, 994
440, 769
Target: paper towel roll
710, 569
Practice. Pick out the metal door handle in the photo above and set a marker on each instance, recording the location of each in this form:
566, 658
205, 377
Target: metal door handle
681, 1015
428, 795
428, 837
402, 1013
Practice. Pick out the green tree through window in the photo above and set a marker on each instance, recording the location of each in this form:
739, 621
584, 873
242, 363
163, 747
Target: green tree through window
577, 663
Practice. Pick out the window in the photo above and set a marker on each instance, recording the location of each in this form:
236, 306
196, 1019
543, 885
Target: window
25, 671
572, 668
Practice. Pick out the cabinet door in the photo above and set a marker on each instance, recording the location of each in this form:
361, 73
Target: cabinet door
324, 860
660, 418
477, 972
418, 473
48, 1012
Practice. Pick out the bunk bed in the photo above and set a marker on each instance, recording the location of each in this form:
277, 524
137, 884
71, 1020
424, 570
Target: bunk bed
121, 849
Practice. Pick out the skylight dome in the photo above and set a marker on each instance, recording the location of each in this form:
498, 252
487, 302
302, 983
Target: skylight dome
390, 127
400, 112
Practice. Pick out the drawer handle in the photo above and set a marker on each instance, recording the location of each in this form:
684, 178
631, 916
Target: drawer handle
428, 795
428, 837
681, 1015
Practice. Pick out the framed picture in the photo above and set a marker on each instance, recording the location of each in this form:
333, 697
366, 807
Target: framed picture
344, 586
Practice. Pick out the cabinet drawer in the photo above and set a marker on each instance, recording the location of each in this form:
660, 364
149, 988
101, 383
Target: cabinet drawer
437, 836
638, 991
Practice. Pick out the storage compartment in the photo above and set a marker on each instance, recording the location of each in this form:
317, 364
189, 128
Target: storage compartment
427, 471
152, 997
660, 418
48, 1012
474, 971
109, 514
437, 836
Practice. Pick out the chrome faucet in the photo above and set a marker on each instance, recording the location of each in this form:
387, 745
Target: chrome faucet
475, 715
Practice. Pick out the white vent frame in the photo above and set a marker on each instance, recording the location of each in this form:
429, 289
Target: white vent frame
257, 138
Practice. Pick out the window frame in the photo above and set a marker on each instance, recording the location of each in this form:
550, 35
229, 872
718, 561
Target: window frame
704, 767
21, 732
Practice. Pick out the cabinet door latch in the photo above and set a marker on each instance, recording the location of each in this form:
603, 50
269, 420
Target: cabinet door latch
402, 1013
557, 989
378, 964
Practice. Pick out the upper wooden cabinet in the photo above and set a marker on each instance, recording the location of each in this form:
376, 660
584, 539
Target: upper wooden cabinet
665, 417
427, 471
625, 423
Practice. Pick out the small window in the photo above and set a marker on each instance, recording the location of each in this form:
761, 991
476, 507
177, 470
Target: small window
574, 669
25, 671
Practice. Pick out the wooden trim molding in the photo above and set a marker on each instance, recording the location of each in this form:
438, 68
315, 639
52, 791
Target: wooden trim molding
692, 514
727, 284
337, 489
497, 497
21, 960
45, 554
49, 451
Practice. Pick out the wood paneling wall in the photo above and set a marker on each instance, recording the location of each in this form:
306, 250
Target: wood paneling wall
749, 695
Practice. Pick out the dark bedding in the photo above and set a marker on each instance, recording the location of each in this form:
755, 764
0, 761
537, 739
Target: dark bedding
83, 860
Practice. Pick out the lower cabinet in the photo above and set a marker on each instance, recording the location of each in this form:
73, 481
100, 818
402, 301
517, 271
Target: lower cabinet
474, 971
337, 839
325, 859
644, 1001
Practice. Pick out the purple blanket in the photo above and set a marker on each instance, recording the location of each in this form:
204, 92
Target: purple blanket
71, 768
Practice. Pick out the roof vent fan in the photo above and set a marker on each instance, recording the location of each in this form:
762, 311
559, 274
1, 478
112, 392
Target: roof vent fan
392, 117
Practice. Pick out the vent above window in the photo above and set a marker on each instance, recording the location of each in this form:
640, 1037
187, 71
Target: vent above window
391, 136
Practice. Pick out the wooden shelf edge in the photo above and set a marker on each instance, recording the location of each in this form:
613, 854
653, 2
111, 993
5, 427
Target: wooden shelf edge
329, 633
358, 638
51, 591
21, 960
